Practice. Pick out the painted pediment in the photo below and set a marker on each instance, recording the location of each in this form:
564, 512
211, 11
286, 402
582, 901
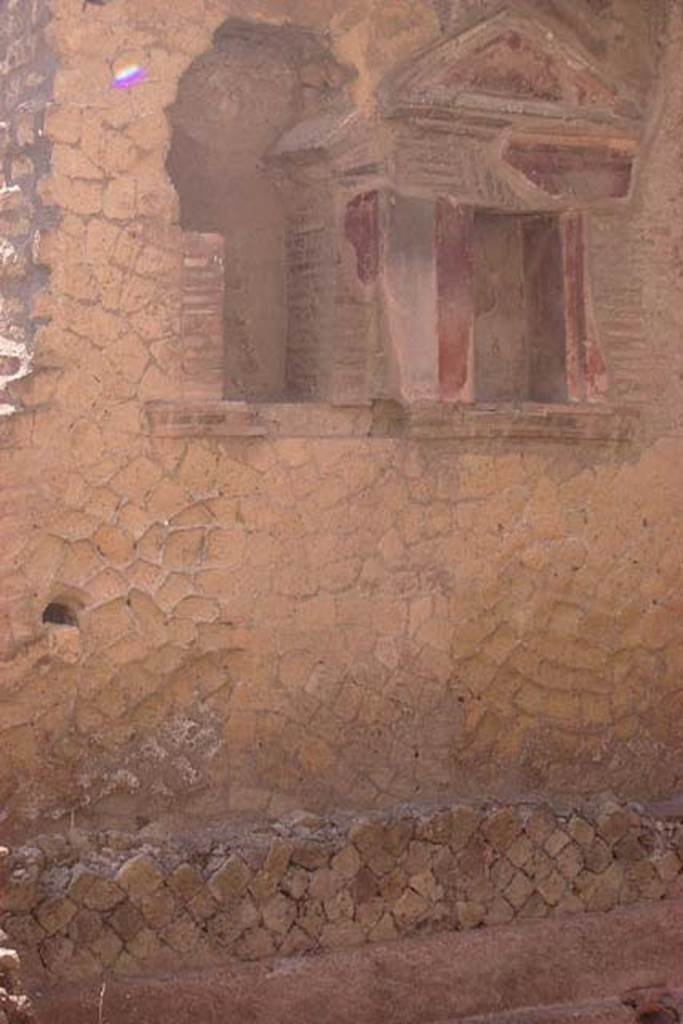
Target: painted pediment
582, 170
508, 66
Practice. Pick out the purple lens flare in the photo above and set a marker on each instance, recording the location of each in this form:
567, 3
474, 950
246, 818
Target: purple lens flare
131, 75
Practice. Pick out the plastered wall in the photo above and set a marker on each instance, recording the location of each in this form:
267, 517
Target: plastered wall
269, 624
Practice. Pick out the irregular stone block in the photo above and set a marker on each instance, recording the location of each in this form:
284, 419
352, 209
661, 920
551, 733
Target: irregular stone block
384, 931
339, 907
230, 881
158, 907
295, 883
279, 914
295, 943
519, 890
581, 831
183, 936
470, 915
501, 828
102, 894
409, 908
556, 843
85, 928
186, 882
342, 935
127, 921
312, 855
325, 883
55, 914
552, 889
256, 944
347, 862
139, 876
145, 946
598, 857
202, 907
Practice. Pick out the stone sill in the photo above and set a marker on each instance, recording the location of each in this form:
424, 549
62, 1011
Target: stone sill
387, 419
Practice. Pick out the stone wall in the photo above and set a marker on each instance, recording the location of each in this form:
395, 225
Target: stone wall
265, 623
27, 75
88, 904
15, 1006
27, 71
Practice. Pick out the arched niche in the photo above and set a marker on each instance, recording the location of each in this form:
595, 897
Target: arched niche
233, 103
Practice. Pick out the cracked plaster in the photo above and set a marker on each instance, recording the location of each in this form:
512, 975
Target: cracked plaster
351, 623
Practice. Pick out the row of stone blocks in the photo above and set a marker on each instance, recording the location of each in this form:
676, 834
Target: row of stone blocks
86, 904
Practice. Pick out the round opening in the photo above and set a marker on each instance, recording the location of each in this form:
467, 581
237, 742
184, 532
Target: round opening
59, 614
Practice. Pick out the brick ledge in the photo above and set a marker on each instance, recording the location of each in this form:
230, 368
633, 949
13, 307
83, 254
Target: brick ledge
564, 424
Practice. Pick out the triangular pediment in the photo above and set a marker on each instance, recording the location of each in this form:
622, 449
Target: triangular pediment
509, 64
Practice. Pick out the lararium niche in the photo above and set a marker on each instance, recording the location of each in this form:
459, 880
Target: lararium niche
432, 250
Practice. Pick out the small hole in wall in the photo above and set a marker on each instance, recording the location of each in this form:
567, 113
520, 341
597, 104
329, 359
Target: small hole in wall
59, 614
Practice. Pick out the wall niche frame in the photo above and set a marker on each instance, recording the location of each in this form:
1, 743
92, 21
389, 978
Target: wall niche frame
407, 233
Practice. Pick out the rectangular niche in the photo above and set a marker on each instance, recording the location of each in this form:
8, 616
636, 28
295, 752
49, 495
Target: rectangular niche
520, 343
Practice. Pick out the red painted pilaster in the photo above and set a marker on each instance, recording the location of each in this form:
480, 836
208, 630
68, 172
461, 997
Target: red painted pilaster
455, 299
